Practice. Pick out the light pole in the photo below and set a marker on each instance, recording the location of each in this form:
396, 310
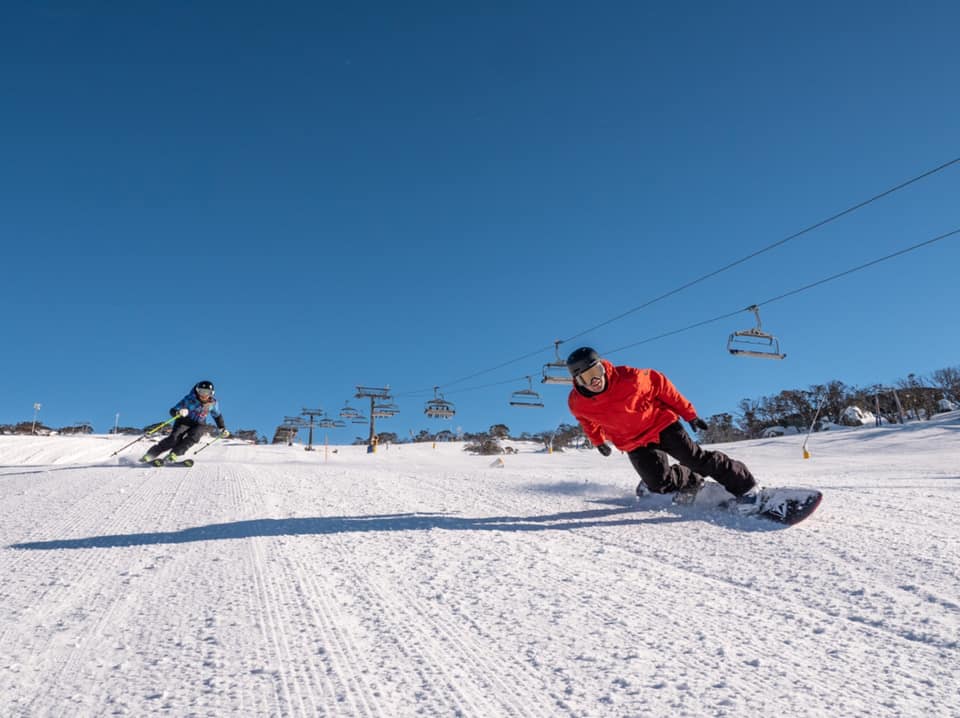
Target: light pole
36, 410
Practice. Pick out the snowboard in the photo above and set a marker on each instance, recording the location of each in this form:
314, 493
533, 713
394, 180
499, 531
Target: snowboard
161, 462
784, 505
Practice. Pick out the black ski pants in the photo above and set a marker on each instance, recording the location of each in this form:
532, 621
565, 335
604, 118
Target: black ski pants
653, 464
185, 434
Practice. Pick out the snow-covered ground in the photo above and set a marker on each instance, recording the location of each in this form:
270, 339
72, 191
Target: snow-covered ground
270, 581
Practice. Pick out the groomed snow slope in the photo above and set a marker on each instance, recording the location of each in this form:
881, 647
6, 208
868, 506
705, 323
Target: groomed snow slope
270, 581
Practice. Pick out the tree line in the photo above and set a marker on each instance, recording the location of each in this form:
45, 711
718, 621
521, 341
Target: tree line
30, 427
40, 429
912, 398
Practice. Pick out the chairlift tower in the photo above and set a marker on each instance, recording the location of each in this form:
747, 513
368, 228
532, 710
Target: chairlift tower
375, 394
311, 413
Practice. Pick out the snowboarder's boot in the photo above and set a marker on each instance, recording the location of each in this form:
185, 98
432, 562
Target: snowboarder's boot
748, 503
688, 493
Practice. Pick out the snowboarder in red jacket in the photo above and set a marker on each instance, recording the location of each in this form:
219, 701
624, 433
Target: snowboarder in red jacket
639, 411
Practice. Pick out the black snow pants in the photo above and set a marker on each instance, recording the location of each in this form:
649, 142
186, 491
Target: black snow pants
185, 434
653, 465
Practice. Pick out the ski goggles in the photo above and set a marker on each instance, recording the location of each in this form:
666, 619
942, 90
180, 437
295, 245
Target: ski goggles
205, 393
596, 371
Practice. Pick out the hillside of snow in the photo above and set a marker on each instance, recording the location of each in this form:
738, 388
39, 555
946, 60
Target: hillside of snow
421, 580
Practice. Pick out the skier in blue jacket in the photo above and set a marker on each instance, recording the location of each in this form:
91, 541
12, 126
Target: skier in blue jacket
191, 412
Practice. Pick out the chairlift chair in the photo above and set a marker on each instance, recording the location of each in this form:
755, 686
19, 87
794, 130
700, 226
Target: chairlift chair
385, 411
348, 412
555, 372
527, 398
438, 407
754, 342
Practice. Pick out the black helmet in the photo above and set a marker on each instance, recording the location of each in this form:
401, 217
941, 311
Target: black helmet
582, 359
203, 387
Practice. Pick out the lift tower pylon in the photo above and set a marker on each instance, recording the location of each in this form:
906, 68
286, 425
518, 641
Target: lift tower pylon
374, 394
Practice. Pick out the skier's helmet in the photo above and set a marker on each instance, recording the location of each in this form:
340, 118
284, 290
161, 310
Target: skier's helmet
582, 359
203, 389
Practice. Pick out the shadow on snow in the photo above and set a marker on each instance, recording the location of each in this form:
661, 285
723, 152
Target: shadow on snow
622, 513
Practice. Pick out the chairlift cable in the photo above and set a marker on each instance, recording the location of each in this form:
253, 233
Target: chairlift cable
490, 385
479, 373
862, 266
769, 247
798, 290
731, 265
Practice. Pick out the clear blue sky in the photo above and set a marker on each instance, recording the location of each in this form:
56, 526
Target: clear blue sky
291, 199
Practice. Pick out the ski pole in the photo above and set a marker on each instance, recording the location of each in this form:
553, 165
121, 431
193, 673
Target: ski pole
216, 438
144, 435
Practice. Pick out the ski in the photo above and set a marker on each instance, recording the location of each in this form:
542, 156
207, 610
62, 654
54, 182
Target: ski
161, 462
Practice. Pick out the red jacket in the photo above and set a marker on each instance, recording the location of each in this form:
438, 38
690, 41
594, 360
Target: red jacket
635, 406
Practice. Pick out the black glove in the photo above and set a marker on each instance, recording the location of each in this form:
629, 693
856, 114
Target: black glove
698, 424
604, 449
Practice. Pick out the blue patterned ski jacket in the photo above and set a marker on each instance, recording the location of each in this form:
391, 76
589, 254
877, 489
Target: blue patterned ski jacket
198, 410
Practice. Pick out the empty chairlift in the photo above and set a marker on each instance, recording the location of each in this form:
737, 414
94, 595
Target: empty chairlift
438, 407
526, 397
385, 410
555, 372
349, 413
754, 342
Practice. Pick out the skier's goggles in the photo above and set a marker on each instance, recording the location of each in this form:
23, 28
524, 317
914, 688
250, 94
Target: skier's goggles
204, 393
593, 372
